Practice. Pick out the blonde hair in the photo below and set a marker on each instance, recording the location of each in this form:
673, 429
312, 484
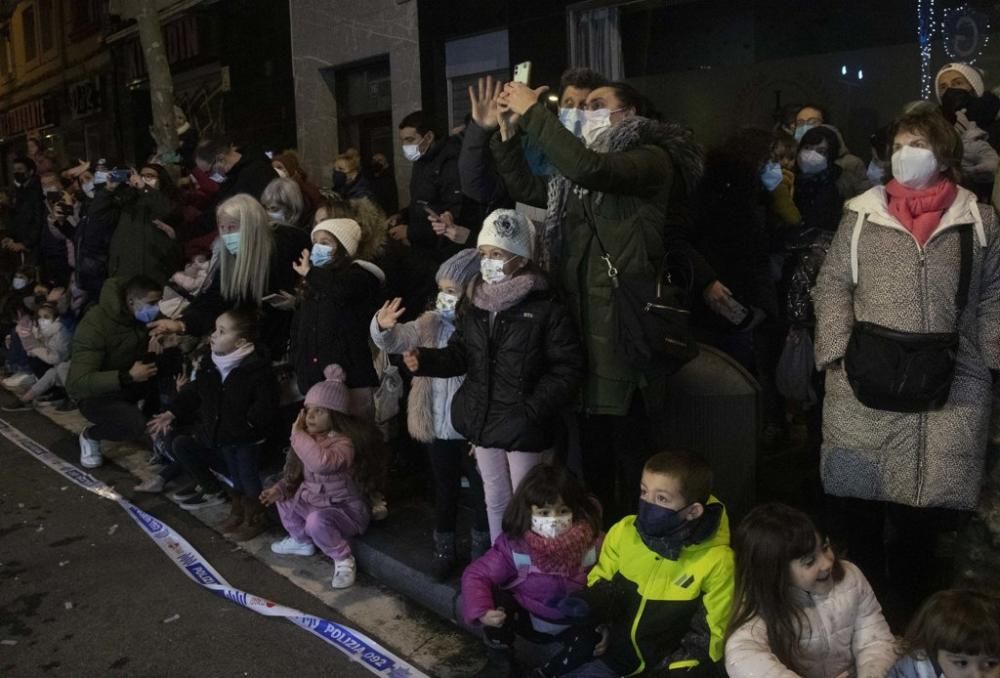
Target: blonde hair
284, 193
244, 276
353, 160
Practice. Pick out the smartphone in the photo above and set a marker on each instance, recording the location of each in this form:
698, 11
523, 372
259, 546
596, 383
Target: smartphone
734, 312
522, 72
119, 176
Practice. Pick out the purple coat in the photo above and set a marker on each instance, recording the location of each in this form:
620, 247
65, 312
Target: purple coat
508, 565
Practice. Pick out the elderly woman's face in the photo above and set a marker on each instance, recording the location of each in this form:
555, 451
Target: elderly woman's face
914, 139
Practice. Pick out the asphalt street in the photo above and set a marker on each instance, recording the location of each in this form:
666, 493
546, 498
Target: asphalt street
83, 592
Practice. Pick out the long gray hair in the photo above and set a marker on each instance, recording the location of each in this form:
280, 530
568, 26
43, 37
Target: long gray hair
245, 274
285, 195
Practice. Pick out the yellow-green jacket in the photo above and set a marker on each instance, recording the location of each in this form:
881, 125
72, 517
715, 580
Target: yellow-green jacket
662, 611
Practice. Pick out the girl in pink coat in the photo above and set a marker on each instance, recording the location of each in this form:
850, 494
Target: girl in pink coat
320, 499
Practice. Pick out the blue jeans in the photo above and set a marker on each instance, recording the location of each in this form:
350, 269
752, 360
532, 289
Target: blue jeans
243, 462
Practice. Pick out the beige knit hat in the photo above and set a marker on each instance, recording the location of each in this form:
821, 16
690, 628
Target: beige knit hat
346, 231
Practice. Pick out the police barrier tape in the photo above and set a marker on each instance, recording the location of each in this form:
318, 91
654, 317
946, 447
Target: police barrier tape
357, 646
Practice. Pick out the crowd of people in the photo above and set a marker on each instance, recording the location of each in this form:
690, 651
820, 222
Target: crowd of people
275, 343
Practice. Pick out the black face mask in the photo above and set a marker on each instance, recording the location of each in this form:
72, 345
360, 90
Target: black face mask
20, 177
980, 110
339, 179
953, 100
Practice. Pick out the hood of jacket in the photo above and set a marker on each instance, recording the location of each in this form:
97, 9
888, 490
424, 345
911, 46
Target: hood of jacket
113, 302
687, 155
873, 205
844, 150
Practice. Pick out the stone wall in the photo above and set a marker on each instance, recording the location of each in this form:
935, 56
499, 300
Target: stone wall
329, 33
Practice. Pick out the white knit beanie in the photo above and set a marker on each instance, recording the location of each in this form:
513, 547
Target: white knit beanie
347, 231
510, 231
971, 73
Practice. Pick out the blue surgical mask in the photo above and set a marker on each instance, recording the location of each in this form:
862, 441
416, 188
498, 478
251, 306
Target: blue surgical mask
812, 162
321, 255
100, 177
573, 119
875, 173
20, 283
147, 313
232, 242
217, 177
771, 175
801, 130
446, 304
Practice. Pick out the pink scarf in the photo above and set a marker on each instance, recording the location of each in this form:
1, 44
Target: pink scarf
920, 211
500, 296
563, 554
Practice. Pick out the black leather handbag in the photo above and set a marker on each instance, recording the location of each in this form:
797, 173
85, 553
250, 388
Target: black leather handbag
652, 314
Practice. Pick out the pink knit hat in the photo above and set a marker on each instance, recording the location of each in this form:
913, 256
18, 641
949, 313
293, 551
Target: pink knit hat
332, 393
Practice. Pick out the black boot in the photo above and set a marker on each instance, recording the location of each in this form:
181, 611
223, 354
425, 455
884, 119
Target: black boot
499, 664
444, 555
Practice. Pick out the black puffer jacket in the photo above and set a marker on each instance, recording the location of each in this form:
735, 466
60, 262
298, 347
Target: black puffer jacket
519, 374
331, 325
240, 409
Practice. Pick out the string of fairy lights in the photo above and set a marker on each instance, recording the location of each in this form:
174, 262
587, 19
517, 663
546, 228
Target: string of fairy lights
965, 33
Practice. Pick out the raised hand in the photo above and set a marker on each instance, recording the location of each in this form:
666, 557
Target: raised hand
519, 97
483, 101
389, 314
303, 266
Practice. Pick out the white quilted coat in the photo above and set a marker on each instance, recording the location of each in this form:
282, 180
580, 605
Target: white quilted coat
875, 272
846, 636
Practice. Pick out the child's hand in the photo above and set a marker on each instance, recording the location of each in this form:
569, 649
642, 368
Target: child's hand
389, 314
494, 618
300, 422
412, 360
602, 644
270, 496
160, 424
303, 265
181, 381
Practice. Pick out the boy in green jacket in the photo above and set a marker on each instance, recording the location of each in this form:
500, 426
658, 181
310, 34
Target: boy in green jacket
109, 372
663, 586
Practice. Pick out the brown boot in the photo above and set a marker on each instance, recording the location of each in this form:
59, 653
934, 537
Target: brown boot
236, 513
254, 520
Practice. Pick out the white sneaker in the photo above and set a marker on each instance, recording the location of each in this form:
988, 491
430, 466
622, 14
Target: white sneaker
290, 546
90, 451
344, 572
153, 486
19, 381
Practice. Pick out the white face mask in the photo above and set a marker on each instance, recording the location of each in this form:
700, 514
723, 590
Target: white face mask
492, 270
45, 325
595, 123
551, 527
915, 168
412, 152
277, 215
217, 177
812, 162
573, 119
446, 304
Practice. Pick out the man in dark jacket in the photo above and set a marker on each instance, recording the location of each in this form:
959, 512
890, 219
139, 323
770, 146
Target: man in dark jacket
110, 371
29, 209
238, 169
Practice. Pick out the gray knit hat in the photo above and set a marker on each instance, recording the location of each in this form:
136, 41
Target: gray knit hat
510, 231
461, 268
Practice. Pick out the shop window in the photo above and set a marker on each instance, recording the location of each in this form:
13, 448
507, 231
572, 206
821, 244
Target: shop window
38, 26
595, 39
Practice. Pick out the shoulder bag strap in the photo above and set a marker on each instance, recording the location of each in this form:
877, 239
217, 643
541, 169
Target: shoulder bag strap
605, 255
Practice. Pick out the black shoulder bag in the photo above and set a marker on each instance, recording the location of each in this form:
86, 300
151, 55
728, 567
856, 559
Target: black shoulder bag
907, 371
651, 314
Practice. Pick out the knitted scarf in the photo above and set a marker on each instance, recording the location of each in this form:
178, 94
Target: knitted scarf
500, 296
560, 555
920, 211
227, 363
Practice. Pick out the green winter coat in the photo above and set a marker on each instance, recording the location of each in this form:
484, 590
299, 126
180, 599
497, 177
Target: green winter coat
638, 192
138, 246
107, 342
